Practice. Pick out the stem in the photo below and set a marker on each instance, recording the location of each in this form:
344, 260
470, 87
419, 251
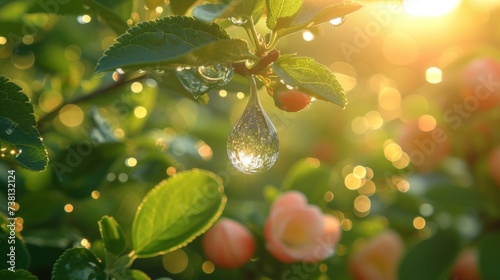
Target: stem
273, 41
132, 257
260, 66
42, 122
252, 33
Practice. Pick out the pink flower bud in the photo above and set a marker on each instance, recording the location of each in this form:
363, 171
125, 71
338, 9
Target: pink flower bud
379, 259
296, 231
228, 244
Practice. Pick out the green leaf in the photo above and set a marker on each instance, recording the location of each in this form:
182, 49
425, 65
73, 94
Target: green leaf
139, 275
314, 12
78, 263
176, 211
312, 78
309, 178
172, 41
112, 235
17, 128
489, 254
19, 274
431, 258
281, 10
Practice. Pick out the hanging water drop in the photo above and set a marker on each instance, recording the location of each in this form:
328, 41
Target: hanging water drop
253, 144
202, 79
238, 21
337, 21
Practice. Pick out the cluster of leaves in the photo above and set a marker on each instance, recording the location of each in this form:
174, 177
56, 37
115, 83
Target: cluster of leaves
180, 41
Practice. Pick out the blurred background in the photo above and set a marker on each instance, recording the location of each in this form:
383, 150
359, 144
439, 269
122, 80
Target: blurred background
414, 150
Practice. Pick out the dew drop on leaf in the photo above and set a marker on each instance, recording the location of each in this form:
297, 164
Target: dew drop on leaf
253, 144
202, 79
214, 73
120, 71
18, 153
337, 21
238, 21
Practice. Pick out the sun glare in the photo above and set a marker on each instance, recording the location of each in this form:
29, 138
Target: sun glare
430, 8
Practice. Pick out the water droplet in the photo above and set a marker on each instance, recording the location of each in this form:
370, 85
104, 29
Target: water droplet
238, 21
19, 152
203, 79
253, 144
214, 73
337, 21
141, 71
290, 87
9, 131
120, 71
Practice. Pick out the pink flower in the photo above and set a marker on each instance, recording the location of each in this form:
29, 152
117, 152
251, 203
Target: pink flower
228, 244
379, 259
296, 231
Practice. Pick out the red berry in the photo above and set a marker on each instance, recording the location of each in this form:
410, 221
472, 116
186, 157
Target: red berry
291, 100
228, 244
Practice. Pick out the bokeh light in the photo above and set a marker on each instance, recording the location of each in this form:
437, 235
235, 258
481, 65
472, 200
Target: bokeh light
362, 203
136, 87
307, 35
176, 261
68, 208
140, 112
419, 223
427, 123
71, 115
208, 267
434, 75
389, 98
131, 162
